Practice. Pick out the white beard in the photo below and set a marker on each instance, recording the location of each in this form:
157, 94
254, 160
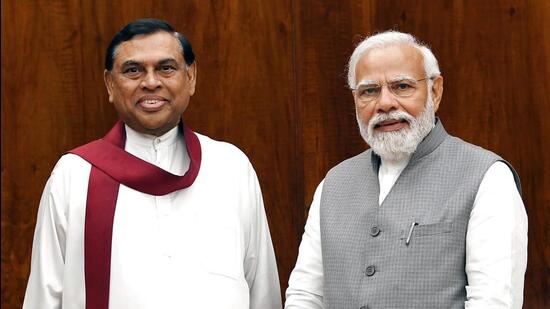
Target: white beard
398, 145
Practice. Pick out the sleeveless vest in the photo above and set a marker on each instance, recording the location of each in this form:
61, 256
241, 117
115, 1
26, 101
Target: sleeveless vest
410, 251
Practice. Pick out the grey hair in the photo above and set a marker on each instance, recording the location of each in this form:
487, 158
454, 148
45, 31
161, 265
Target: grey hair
388, 38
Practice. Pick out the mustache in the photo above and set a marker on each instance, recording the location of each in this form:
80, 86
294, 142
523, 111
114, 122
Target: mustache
393, 115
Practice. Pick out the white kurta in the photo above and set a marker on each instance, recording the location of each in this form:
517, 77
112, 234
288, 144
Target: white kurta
496, 244
206, 246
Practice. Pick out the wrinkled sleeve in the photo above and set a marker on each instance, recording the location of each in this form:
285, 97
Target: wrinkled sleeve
496, 243
260, 265
305, 286
45, 285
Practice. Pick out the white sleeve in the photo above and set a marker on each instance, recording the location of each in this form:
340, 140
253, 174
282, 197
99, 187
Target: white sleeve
260, 265
45, 285
496, 243
305, 286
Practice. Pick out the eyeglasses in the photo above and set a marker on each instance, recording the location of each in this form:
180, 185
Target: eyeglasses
402, 88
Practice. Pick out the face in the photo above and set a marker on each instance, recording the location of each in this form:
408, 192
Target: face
389, 65
149, 84
401, 113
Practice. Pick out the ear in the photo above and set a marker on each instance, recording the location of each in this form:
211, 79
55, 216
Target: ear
192, 77
437, 91
108, 79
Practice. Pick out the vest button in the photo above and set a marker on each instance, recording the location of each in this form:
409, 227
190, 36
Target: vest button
374, 231
370, 270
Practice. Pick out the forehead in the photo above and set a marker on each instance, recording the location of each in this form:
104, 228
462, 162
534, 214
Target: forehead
149, 47
390, 61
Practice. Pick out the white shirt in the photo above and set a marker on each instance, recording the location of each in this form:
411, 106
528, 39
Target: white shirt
206, 246
496, 244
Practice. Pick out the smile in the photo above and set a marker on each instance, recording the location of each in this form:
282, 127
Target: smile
152, 101
151, 104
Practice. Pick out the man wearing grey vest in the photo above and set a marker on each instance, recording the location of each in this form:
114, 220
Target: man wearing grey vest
420, 220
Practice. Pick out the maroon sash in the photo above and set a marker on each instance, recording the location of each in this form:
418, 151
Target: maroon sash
111, 166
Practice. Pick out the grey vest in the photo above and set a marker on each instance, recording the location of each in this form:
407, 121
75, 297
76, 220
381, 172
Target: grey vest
366, 259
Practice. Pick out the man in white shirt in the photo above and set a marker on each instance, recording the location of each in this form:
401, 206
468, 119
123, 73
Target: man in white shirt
190, 229
420, 220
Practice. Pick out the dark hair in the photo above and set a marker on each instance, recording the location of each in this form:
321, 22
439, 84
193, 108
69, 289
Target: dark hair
146, 26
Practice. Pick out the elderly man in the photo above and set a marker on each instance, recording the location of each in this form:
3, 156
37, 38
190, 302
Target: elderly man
189, 231
422, 219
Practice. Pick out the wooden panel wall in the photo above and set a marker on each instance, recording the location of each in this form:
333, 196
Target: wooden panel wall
494, 58
271, 79
53, 99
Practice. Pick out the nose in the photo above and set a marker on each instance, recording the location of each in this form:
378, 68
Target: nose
150, 81
386, 101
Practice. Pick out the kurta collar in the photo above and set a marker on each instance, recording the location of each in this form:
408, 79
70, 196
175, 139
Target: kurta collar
148, 140
393, 167
436, 136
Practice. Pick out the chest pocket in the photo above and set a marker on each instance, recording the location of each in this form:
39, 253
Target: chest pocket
423, 230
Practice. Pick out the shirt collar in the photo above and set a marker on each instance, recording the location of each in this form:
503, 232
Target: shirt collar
137, 138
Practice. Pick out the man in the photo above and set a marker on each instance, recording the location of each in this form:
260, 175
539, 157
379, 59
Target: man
189, 230
420, 220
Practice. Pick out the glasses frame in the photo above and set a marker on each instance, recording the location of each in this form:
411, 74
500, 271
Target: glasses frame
386, 84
